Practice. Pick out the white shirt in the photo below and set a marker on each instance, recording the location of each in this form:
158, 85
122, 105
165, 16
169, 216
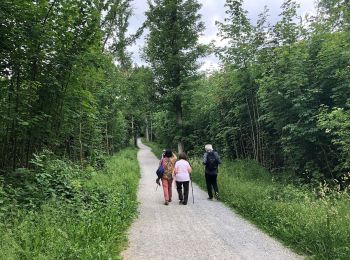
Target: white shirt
182, 170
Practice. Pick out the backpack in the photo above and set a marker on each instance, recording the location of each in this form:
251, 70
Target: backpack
212, 163
160, 171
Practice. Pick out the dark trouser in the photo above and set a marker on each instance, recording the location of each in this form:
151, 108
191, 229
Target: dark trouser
211, 181
183, 196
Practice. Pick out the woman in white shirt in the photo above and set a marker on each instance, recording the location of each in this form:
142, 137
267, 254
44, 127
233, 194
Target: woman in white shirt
182, 178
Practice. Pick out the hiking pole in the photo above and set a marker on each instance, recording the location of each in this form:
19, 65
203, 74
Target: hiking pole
158, 184
192, 190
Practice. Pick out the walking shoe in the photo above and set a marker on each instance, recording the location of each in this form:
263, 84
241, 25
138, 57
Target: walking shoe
180, 202
210, 198
166, 203
217, 196
184, 203
169, 200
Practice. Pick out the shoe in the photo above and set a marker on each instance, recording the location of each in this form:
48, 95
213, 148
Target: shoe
166, 203
180, 202
169, 200
210, 198
184, 203
217, 196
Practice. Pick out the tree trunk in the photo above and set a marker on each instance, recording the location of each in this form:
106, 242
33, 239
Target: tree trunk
133, 132
252, 128
260, 135
81, 145
107, 141
147, 133
257, 131
242, 143
236, 149
178, 109
151, 128
15, 126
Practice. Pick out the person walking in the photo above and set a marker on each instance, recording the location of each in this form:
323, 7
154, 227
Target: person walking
211, 160
168, 163
160, 162
182, 177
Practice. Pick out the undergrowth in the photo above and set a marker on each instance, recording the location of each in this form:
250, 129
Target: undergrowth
58, 211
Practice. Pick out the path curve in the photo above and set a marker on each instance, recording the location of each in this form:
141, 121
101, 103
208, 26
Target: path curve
204, 230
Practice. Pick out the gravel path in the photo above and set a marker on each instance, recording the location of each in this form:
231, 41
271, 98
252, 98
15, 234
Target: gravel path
204, 230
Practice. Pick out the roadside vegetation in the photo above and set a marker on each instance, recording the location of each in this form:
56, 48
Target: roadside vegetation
312, 221
61, 212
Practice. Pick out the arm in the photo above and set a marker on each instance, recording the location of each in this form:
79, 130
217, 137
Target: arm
189, 168
173, 158
176, 168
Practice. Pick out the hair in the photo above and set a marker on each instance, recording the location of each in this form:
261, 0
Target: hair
208, 147
182, 156
168, 153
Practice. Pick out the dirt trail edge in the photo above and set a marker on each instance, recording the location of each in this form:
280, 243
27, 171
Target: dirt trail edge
204, 230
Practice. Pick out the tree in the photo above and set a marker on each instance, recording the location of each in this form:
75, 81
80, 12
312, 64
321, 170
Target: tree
58, 89
115, 25
172, 50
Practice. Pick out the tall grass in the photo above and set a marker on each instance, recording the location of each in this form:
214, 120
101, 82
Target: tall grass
92, 225
312, 222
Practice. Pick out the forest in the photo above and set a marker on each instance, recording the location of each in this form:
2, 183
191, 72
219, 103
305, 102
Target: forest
73, 103
281, 97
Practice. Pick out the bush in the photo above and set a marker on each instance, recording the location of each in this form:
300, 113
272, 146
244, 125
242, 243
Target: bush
90, 224
49, 178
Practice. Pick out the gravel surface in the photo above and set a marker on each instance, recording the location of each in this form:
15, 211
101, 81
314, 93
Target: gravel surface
203, 230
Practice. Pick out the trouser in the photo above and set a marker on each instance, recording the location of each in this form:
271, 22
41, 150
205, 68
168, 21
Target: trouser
211, 181
167, 189
183, 196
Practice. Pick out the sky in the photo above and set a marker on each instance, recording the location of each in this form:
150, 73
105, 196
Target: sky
211, 11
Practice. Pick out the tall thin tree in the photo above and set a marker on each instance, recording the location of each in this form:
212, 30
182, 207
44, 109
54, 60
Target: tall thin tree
172, 50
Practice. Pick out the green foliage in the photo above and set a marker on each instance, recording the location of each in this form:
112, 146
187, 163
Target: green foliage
59, 88
172, 50
281, 97
156, 148
92, 224
310, 222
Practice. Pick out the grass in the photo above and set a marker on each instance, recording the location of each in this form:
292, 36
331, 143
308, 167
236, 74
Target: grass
91, 226
311, 222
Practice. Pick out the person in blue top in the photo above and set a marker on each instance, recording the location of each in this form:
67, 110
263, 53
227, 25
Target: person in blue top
211, 160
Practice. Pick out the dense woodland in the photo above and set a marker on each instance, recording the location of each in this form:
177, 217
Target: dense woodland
282, 95
60, 87
281, 98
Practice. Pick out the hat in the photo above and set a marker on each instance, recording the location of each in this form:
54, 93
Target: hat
208, 147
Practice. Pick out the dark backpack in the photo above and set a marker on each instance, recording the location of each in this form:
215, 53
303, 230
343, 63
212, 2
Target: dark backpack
160, 171
212, 163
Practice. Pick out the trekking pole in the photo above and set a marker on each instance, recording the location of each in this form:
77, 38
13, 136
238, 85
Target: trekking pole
192, 190
158, 184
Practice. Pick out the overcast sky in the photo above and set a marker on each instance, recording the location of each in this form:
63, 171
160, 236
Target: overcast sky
213, 10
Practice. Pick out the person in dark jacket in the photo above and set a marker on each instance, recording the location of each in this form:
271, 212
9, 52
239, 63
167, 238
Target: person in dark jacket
211, 160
